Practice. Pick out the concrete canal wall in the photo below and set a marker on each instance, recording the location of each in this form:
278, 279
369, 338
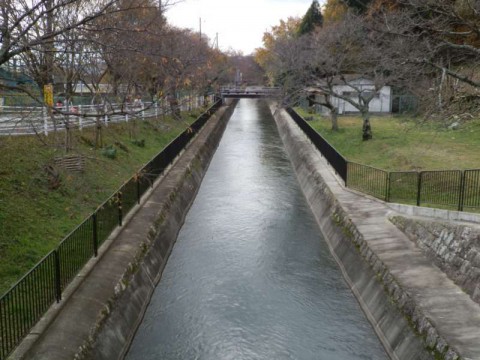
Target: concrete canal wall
415, 309
126, 309
100, 314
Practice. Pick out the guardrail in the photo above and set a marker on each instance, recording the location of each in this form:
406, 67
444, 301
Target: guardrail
449, 189
31, 120
25, 303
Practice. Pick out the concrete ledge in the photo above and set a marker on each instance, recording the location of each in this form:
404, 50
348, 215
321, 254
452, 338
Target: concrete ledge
440, 214
100, 316
407, 299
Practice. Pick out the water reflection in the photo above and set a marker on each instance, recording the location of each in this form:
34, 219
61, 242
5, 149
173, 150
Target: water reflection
250, 276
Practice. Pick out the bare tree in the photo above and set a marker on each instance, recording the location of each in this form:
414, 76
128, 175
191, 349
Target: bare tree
447, 38
340, 54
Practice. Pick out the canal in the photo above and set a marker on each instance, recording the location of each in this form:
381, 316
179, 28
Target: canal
250, 276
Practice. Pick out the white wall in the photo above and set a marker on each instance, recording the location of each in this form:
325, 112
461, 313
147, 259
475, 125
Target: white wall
381, 103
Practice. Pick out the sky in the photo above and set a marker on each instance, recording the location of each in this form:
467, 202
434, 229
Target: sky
240, 24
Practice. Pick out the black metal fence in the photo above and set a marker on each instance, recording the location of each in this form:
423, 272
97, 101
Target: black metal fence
336, 160
367, 179
448, 189
23, 305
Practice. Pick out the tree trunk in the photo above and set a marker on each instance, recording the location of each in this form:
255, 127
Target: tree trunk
333, 117
366, 128
98, 134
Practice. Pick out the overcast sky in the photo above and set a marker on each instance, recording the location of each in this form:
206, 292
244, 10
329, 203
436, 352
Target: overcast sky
240, 24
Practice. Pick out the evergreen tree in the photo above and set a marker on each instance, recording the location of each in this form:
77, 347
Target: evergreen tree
312, 19
359, 6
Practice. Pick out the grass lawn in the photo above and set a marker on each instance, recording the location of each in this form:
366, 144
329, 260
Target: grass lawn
401, 143
34, 217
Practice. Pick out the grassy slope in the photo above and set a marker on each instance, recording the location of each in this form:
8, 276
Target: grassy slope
401, 144
34, 218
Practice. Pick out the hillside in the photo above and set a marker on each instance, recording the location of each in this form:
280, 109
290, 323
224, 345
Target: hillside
37, 208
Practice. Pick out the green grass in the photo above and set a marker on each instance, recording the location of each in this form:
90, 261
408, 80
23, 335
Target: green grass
402, 143
34, 217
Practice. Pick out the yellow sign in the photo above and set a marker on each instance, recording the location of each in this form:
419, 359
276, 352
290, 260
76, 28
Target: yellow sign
48, 94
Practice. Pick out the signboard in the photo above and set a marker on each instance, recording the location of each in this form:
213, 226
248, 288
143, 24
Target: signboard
48, 94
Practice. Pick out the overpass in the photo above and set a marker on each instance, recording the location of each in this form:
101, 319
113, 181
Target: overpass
251, 92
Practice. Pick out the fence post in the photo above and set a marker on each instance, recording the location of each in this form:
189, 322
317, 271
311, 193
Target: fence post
120, 212
156, 109
419, 188
138, 189
45, 121
95, 234
58, 286
106, 115
80, 117
3, 334
461, 199
346, 172
387, 196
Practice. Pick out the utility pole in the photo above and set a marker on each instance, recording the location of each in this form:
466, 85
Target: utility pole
200, 27
49, 46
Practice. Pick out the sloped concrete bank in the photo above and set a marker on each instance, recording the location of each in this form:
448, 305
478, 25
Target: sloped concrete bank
99, 318
400, 325
126, 309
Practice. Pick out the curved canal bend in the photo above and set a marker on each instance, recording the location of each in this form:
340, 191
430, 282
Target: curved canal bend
250, 276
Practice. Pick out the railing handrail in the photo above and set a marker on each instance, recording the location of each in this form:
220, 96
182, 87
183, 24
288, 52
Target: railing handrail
32, 269
369, 166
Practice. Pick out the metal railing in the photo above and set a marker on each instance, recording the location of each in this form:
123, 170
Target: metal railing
24, 304
336, 160
449, 189
367, 179
20, 120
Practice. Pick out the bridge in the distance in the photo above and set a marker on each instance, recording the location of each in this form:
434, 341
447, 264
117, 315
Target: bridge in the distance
252, 92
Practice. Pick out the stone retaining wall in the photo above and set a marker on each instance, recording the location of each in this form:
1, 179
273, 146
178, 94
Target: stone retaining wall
454, 248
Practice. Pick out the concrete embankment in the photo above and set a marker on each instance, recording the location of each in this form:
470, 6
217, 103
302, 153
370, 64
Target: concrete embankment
104, 306
415, 309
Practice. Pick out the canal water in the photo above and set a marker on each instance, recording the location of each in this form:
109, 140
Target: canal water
250, 276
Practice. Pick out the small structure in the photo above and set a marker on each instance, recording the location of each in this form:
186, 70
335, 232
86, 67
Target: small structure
349, 86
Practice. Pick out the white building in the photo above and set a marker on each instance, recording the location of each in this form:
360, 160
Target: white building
381, 103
